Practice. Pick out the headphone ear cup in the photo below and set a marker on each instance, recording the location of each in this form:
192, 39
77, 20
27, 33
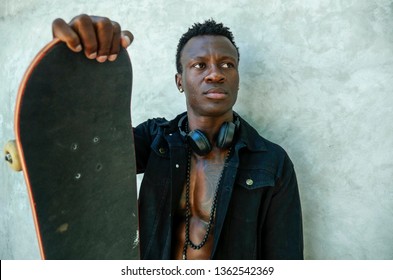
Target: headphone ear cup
199, 142
225, 135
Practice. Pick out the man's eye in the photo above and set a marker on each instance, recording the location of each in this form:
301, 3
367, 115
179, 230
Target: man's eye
199, 65
227, 65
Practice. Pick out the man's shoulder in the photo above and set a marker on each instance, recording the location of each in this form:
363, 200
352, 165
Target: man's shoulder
159, 124
259, 152
158, 121
152, 126
255, 141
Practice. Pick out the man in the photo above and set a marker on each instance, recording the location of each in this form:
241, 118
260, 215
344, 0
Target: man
212, 188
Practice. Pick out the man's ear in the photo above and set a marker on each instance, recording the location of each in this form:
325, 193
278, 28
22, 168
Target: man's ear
178, 81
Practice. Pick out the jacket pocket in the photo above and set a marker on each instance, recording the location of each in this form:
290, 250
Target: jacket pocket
255, 178
252, 185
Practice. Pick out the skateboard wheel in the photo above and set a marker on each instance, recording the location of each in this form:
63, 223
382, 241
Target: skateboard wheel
12, 155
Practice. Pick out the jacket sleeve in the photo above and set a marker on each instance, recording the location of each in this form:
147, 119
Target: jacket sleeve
283, 231
144, 135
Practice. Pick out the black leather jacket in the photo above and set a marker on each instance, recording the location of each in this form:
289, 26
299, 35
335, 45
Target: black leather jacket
258, 212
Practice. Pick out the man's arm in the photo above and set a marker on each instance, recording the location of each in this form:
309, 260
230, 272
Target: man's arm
99, 37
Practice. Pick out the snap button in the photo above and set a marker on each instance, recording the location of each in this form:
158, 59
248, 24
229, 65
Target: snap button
177, 166
161, 150
249, 182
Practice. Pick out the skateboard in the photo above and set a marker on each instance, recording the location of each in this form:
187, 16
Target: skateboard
74, 143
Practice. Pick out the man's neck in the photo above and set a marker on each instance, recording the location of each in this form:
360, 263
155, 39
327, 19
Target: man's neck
210, 125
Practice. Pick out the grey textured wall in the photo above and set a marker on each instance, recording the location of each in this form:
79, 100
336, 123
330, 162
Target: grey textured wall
316, 78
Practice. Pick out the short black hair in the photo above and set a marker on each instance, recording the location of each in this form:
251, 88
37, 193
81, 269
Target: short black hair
208, 27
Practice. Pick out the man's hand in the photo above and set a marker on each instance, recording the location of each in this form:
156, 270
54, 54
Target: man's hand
99, 37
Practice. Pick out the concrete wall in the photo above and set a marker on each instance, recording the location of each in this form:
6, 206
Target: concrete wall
316, 77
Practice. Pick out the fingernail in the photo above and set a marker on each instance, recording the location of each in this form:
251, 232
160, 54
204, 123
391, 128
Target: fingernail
92, 56
78, 48
102, 58
127, 39
112, 57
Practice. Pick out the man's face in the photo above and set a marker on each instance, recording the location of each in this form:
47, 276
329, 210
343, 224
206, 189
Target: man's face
210, 77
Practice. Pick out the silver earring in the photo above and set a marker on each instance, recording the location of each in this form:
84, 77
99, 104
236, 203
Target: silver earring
181, 89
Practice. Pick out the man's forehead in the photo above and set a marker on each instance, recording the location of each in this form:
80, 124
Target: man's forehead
209, 44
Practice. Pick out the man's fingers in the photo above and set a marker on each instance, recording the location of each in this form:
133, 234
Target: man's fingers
84, 27
62, 31
105, 33
115, 46
100, 37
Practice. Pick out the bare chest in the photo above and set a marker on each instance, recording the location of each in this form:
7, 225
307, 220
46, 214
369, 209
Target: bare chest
204, 177
198, 200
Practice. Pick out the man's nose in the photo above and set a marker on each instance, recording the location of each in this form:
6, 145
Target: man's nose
215, 75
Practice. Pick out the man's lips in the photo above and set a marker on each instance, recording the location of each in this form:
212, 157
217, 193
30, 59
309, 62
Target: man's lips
216, 93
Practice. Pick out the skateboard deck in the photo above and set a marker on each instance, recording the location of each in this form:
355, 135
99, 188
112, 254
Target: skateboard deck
75, 142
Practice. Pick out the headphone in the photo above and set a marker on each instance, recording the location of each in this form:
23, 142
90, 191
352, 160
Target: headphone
201, 145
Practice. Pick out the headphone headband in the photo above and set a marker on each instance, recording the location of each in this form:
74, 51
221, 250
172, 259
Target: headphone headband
180, 124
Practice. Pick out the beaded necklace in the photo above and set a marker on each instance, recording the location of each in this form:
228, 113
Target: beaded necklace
188, 241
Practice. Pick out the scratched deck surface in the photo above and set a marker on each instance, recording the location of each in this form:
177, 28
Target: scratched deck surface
74, 128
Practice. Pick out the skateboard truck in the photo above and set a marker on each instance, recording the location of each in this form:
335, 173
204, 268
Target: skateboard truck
11, 155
